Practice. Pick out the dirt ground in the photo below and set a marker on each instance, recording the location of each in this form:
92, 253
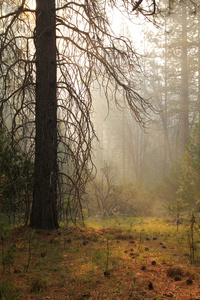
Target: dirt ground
96, 264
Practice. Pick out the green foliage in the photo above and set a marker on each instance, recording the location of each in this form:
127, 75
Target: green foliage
189, 188
180, 189
16, 177
167, 190
7, 256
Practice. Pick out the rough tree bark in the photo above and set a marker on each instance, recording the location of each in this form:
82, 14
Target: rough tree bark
44, 214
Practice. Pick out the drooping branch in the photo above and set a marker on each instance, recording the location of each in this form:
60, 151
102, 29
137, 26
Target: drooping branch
136, 5
89, 56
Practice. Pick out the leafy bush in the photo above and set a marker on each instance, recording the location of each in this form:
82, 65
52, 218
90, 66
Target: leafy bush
189, 188
166, 192
180, 189
16, 179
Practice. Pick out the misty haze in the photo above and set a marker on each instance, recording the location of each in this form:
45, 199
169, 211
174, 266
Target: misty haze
100, 149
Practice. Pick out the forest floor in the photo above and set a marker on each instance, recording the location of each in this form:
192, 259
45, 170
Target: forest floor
118, 259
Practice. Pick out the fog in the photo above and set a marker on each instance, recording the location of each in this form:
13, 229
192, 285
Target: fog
168, 53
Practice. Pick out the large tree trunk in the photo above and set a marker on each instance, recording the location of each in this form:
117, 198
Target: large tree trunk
44, 210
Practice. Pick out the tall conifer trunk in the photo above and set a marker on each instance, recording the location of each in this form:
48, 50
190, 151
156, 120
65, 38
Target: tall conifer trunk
44, 210
184, 82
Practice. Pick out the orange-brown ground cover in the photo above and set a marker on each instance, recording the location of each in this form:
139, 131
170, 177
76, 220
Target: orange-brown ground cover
87, 263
